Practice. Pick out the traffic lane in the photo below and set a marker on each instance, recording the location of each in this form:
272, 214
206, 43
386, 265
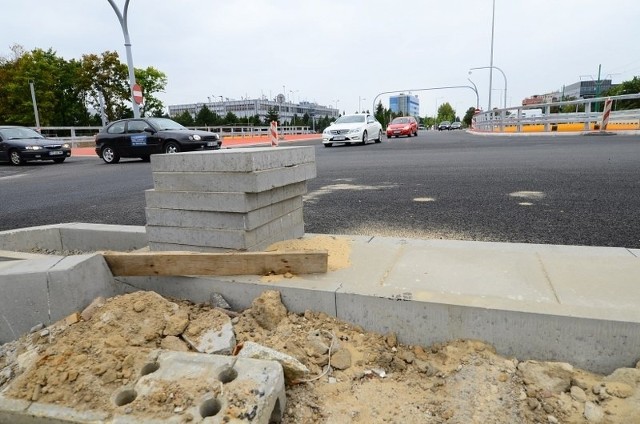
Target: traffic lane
564, 191
79, 190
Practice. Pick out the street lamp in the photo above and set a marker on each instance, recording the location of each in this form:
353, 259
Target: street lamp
493, 18
503, 76
360, 99
127, 44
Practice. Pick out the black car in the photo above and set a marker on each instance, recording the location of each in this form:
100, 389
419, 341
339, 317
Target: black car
142, 137
455, 125
20, 144
444, 125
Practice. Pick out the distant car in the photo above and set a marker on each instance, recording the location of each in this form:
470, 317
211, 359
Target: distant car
143, 137
20, 144
444, 125
359, 128
421, 127
456, 125
404, 125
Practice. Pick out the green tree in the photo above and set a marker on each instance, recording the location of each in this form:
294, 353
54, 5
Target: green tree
381, 114
468, 116
230, 119
446, 113
205, 117
185, 119
627, 87
152, 82
272, 115
107, 74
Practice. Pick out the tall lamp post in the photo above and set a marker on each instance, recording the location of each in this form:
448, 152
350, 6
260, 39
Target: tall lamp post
127, 44
360, 99
493, 18
503, 76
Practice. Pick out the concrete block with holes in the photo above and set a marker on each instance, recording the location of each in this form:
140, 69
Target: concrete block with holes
237, 199
219, 388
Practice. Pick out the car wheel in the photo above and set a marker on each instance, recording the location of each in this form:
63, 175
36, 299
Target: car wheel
15, 158
328, 144
364, 138
110, 155
171, 147
379, 139
59, 160
146, 158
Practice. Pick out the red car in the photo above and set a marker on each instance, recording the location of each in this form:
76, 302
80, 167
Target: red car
404, 125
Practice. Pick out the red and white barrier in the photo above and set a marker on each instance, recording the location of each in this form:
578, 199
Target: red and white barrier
273, 132
605, 114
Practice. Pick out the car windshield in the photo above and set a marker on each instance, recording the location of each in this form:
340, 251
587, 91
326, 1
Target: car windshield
350, 119
445, 123
19, 133
400, 121
161, 124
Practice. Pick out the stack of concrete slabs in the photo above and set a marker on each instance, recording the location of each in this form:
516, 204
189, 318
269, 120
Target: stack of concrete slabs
234, 199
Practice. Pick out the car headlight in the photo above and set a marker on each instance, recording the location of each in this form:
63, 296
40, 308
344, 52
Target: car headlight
66, 146
354, 130
407, 128
327, 131
33, 147
195, 137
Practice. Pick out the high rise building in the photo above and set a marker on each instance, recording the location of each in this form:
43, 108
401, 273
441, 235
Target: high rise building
406, 104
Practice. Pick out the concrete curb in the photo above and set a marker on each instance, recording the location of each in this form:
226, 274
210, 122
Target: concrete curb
557, 303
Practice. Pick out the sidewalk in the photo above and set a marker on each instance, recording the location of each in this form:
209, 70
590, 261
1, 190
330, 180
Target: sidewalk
226, 143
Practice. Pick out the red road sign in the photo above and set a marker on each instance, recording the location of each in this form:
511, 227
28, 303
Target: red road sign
137, 93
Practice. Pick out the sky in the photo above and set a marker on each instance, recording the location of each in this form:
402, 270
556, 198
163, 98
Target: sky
344, 53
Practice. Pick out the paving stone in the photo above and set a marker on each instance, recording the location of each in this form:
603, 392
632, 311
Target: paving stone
257, 385
221, 201
221, 220
237, 239
248, 182
235, 160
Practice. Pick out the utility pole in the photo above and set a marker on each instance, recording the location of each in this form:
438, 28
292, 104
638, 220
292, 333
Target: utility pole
127, 44
493, 17
598, 84
35, 105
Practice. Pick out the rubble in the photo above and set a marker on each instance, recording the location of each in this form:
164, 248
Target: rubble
342, 372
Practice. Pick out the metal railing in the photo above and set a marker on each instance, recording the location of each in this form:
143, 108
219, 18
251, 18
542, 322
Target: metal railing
547, 117
77, 135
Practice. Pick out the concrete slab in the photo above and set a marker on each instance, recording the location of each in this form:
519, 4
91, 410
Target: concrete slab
249, 182
463, 271
232, 239
91, 237
75, 281
294, 232
250, 159
27, 239
256, 386
595, 281
221, 220
220, 201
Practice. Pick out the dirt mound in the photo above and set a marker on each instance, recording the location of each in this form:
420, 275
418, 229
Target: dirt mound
353, 375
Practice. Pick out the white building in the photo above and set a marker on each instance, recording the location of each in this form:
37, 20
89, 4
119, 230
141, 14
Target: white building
247, 108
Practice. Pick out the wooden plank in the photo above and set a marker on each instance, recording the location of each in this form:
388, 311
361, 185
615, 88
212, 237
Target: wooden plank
194, 263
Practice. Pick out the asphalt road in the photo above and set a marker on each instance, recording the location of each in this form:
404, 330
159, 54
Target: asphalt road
578, 190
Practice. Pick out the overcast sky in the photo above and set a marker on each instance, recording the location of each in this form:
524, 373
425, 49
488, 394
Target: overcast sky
344, 52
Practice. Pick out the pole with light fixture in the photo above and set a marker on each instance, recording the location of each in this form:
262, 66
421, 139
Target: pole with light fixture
127, 44
503, 76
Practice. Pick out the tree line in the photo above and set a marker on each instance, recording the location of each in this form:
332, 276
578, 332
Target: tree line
68, 91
